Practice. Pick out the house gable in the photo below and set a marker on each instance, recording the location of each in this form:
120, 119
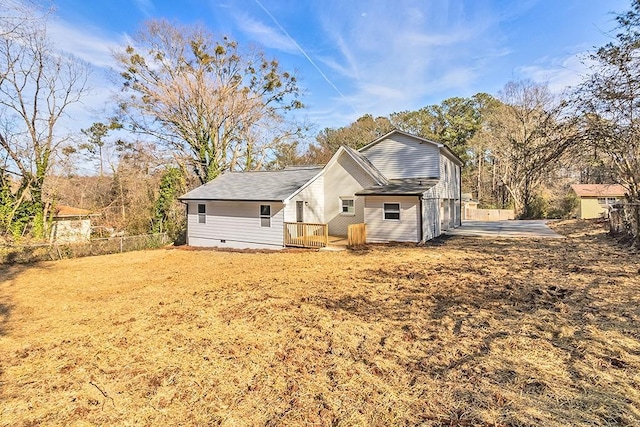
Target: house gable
401, 156
346, 173
359, 168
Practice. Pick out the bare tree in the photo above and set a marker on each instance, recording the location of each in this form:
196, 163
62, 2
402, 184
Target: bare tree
218, 107
609, 102
529, 133
37, 85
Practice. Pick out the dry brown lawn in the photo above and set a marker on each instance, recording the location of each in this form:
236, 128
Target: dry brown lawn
462, 332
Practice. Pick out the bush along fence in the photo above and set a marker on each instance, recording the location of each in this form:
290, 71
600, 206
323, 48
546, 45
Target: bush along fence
47, 252
624, 219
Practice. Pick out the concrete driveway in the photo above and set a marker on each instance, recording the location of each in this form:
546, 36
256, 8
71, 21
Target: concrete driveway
505, 229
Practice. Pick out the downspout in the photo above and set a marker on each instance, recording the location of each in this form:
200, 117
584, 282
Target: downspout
421, 220
460, 197
186, 222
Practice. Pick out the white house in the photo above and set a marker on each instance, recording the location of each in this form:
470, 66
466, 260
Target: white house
404, 188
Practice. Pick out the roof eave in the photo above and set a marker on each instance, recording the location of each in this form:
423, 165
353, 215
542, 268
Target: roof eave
194, 199
411, 193
386, 135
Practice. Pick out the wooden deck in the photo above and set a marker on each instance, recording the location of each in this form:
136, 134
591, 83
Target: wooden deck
312, 235
306, 235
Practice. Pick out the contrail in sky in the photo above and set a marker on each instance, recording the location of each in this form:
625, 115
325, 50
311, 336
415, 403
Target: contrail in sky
305, 54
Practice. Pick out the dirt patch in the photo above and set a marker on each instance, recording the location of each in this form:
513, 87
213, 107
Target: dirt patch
509, 332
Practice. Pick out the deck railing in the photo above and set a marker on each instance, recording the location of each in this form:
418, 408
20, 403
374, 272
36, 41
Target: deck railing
306, 235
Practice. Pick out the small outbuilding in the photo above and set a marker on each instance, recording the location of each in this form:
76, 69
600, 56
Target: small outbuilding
71, 225
595, 199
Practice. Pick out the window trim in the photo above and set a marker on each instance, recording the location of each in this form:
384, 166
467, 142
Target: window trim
202, 213
607, 201
266, 216
385, 211
342, 206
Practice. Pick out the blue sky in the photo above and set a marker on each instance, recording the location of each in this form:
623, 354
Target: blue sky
356, 57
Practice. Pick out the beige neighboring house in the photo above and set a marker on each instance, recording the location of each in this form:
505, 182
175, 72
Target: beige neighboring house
595, 199
71, 225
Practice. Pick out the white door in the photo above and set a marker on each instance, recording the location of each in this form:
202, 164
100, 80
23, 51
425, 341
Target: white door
299, 211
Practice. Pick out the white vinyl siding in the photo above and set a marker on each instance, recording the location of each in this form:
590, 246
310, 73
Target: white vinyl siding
449, 185
236, 225
313, 198
447, 193
344, 178
379, 230
400, 156
430, 218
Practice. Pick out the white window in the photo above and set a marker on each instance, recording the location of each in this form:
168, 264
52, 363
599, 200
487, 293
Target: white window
265, 215
202, 213
607, 200
392, 211
347, 206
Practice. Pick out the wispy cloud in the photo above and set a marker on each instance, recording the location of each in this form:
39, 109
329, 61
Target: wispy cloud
346, 65
145, 6
86, 43
304, 53
92, 45
559, 73
395, 57
268, 36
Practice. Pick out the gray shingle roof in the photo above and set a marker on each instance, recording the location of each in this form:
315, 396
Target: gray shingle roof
254, 186
399, 187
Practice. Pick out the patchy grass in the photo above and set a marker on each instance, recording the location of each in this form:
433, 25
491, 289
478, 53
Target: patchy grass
462, 332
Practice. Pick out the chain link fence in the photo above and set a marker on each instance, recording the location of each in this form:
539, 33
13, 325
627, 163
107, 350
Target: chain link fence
11, 254
624, 219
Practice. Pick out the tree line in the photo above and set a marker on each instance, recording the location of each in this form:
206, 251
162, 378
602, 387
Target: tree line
192, 105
